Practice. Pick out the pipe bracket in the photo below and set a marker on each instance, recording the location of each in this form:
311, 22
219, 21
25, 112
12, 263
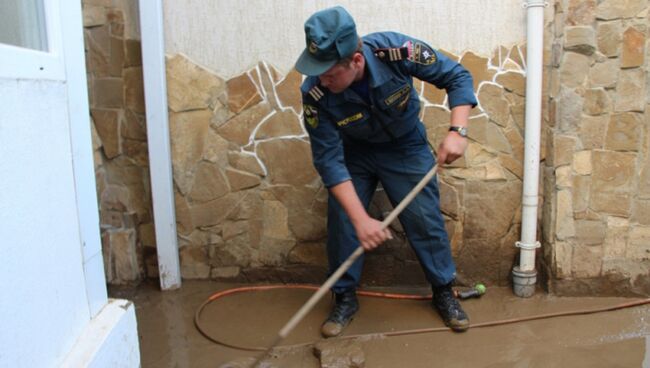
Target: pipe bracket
533, 4
528, 246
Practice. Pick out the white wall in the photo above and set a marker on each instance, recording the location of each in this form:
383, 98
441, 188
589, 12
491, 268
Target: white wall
230, 36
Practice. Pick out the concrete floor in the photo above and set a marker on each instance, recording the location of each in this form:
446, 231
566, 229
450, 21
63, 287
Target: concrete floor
168, 337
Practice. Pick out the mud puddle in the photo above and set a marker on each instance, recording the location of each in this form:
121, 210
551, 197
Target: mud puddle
168, 337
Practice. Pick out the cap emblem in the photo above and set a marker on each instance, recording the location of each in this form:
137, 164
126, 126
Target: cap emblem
313, 47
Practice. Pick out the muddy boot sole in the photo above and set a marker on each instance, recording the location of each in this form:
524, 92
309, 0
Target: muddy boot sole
458, 326
333, 329
346, 305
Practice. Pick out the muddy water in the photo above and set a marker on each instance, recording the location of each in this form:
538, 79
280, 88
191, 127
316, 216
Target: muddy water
168, 337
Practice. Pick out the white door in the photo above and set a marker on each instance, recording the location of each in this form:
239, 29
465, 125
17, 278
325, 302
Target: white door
51, 276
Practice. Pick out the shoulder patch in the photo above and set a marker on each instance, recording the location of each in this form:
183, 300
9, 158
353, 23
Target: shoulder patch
311, 115
316, 93
420, 53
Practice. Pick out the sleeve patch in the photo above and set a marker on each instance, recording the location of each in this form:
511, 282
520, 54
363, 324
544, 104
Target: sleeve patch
311, 115
421, 54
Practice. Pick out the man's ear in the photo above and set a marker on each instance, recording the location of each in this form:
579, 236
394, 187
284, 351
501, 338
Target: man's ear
359, 61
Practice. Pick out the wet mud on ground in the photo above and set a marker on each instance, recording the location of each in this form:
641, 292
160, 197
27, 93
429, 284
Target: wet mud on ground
168, 337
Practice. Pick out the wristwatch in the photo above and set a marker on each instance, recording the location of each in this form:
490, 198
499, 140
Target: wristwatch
459, 129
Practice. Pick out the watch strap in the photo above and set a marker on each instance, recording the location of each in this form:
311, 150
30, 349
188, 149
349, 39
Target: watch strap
459, 129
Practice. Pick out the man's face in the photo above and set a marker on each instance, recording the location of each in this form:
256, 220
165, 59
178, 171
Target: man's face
339, 77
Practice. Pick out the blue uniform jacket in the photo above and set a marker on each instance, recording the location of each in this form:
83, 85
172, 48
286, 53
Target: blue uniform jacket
336, 120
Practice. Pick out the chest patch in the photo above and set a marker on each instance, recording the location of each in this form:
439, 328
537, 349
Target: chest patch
350, 119
404, 91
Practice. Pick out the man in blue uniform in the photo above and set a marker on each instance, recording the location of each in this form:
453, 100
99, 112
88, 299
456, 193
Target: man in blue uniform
362, 115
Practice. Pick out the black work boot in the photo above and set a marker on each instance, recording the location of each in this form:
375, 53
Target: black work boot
449, 308
344, 309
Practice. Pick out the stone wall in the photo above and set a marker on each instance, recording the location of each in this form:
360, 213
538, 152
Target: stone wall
250, 206
114, 67
597, 175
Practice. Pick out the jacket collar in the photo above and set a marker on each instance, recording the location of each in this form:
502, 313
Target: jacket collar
378, 74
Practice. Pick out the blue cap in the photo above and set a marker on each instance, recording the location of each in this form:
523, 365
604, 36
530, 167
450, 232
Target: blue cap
331, 35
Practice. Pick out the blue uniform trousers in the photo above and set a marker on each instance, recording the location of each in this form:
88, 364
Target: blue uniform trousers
399, 167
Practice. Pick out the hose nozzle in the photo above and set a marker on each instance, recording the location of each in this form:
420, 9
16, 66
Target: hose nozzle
475, 292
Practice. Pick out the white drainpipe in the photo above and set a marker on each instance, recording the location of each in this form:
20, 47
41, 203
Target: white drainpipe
160, 167
525, 275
